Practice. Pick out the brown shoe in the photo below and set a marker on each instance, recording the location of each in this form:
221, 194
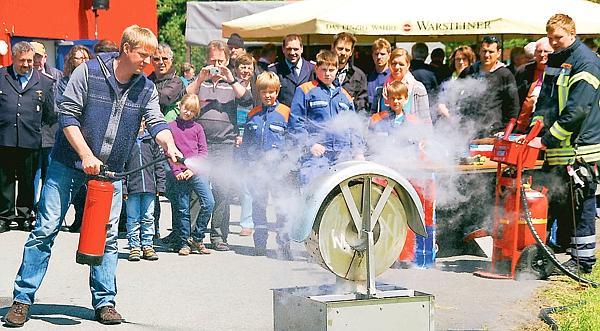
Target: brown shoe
245, 232
149, 254
108, 315
17, 315
184, 251
199, 246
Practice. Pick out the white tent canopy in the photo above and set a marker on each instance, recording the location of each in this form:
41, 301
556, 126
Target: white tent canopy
424, 20
204, 19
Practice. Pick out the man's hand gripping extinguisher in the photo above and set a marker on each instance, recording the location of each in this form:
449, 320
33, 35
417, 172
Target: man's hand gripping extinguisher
96, 213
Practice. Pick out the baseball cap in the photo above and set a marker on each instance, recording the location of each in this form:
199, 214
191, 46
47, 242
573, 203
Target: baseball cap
235, 40
38, 48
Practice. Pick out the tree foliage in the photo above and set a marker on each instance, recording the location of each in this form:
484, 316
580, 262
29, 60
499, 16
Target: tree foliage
171, 30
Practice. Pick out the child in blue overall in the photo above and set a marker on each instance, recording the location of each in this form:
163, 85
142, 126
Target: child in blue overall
261, 147
401, 130
315, 106
139, 192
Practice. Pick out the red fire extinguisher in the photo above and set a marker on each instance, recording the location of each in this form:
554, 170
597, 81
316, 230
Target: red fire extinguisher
96, 214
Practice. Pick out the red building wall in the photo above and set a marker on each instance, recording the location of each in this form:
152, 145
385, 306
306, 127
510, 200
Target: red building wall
71, 19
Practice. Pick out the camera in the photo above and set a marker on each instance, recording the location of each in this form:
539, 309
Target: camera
214, 71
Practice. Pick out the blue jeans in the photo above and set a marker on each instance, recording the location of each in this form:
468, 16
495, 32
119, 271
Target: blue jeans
61, 184
246, 204
180, 204
140, 219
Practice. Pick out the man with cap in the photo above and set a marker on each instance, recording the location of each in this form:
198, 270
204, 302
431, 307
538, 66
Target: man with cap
48, 129
236, 49
26, 101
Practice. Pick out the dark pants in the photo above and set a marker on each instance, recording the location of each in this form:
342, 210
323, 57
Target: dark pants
259, 190
221, 160
17, 164
576, 221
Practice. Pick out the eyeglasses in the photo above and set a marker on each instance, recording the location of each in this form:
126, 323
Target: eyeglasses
157, 59
79, 58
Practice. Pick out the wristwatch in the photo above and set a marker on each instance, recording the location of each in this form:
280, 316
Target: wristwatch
233, 82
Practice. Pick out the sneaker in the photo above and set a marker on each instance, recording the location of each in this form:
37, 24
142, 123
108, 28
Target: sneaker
149, 254
17, 315
245, 232
221, 247
199, 246
108, 315
572, 266
185, 251
134, 254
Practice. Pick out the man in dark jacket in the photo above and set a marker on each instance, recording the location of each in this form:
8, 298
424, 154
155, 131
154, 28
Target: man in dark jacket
502, 103
569, 105
26, 101
349, 76
294, 70
423, 72
170, 87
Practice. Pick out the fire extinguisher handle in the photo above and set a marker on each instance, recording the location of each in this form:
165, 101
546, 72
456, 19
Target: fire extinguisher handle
509, 127
535, 130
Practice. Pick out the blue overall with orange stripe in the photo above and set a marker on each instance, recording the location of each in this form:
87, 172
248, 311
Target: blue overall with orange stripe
314, 106
417, 249
262, 144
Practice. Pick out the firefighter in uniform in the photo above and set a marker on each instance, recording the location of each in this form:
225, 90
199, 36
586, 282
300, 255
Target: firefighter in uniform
569, 106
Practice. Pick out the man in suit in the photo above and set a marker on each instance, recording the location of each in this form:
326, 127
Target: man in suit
26, 101
294, 70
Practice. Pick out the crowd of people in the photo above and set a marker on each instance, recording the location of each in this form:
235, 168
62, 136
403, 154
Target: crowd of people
238, 121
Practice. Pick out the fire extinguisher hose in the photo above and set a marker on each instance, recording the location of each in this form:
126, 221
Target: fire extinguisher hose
118, 175
541, 244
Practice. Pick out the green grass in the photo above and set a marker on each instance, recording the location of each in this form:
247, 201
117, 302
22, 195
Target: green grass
562, 291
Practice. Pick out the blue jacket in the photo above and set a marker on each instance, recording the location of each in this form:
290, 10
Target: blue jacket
265, 130
150, 179
313, 108
289, 81
109, 118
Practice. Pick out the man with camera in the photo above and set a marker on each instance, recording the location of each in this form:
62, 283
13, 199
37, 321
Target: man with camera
219, 94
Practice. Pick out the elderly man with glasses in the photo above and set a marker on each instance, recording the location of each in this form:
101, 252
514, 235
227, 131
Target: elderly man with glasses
170, 87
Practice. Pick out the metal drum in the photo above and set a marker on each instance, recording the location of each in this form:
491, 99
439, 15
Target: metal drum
335, 225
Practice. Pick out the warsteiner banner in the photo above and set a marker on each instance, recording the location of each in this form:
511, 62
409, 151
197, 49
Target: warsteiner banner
413, 27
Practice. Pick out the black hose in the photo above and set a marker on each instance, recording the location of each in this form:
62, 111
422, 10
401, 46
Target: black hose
541, 244
117, 175
544, 314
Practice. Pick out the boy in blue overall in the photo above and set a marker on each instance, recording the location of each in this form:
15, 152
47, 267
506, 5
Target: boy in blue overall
263, 140
315, 106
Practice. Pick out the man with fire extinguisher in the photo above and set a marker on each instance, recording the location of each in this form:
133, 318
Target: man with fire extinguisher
569, 106
99, 114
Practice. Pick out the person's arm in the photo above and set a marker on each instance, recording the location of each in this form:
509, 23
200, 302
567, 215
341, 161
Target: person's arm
242, 94
90, 163
582, 99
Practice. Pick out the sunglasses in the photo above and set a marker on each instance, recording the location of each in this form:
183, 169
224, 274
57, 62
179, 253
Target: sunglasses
164, 59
